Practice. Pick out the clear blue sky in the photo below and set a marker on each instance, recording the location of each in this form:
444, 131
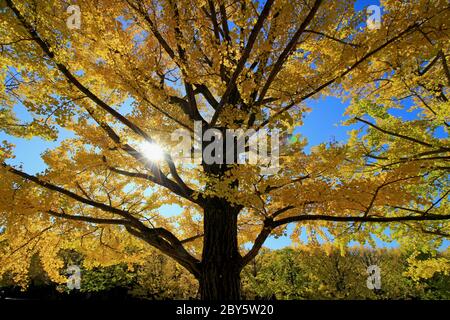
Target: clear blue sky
321, 125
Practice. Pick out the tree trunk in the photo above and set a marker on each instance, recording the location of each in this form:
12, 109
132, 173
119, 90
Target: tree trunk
221, 261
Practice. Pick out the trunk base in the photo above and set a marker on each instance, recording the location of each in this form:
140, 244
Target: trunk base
221, 262
220, 284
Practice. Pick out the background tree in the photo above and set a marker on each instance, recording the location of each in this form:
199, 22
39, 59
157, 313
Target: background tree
306, 272
157, 278
324, 272
137, 70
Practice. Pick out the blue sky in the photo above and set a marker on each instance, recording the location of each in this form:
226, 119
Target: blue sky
321, 125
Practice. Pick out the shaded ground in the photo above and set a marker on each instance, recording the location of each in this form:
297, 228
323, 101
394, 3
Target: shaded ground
51, 294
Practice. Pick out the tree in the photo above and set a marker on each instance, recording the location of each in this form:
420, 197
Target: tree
159, 277
275, 274
162, 278
327, 273
135, 71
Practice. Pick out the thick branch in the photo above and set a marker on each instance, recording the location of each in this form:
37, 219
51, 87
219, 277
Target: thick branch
154, 30
178, 252
332, 38
371, 219
270, 225
158, 176
343, 74
288, 50
157, 237
190, 239
73, 195
399, 135
260, 239
88, 219
71, 78
245, 55
445, 66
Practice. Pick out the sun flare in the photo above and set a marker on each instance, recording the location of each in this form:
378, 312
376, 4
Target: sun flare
152, 151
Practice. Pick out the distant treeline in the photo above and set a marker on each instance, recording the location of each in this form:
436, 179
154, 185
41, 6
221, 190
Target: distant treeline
331, 274
274, 274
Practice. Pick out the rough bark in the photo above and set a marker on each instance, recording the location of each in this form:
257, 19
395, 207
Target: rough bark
221, 262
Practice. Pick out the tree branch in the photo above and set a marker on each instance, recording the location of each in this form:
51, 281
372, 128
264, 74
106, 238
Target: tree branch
423, 143
88, 219
245, 55
445, 66
71, 78
332, 38
259, 241
207, 95
270, 225
158, 176
190, 239
157, 237
178, 252
344, 73
288, 50
371, 219
74, 196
